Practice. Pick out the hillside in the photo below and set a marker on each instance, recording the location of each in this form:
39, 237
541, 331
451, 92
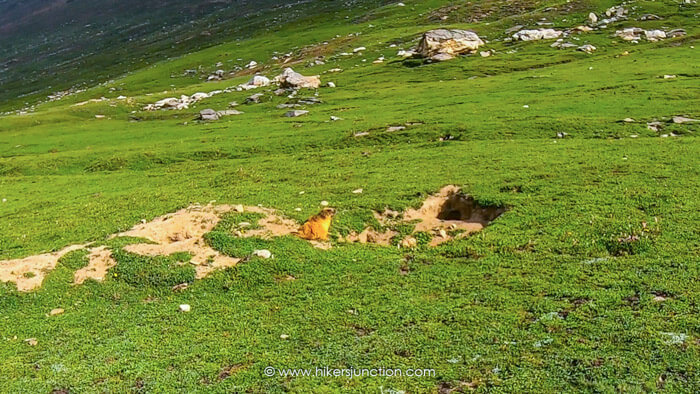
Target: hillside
521, 218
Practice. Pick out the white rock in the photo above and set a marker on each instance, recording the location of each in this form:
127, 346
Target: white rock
335, 118
252, 64
669, 76
540, 34
588, 48
654, 35
324, 203
284, 336
330, 84
295, 113
184, 308
262, 253
359, 49
485, 53
444, 44
592, 18
357, 191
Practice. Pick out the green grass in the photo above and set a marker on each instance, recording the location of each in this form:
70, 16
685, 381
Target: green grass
546, 299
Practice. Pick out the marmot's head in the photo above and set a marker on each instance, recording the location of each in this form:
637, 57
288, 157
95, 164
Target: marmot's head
327, 212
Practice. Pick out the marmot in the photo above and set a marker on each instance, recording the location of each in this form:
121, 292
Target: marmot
316, 227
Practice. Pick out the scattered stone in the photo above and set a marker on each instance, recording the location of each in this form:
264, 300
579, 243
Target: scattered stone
252, 64
581, 29
659, 298
31, 341
180, 287
655, 126
395, 128
238, 208
255, 82
485, 53
562, 134
233, 104
184, 308
99, 116
514, 29
295, 113
285, 106
335, 118
360, 134
654, 35
56, 311
262, 253
675, 33
357, 191
284, 336
292, 79
254, 99
228, 112
330, 84
683, 119
630, 34
534, 35
628, 120
379, 60
670, 76
324, 203
359, 49
588, 48
649, 17
208, 114
409, 53
444, 44
592, 18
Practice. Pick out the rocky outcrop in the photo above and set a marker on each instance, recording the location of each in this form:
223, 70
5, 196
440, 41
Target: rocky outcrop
444, 44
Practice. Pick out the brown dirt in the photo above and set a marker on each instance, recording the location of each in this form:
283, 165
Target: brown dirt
28, 273
100, 262
441, 213
372, 236
183, 231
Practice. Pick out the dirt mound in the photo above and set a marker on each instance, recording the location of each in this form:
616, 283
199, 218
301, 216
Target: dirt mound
100, 262
183, 231
447, 211
28, 273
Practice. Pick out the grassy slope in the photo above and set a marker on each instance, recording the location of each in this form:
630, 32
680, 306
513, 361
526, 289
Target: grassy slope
475, 310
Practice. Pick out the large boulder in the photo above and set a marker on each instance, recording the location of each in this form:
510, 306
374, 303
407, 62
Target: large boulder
444, 44
292, 79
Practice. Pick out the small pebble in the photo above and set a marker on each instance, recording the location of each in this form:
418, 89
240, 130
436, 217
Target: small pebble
357, 191
185, 308
284, 336
262, 253
56, 311
324, 203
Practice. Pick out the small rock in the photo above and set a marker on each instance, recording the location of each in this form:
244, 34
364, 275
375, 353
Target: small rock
655, 126
526, 106
683, 119
330, 84
592, 18
208, 114
262, 253
334, 118
324, 203
228, 112
659, 298
588, 48
99, 116
297, 209
284, 336
180, 287
359, 49
669, 76
442, 233
395, 128
31, 341
184, 308
238, 208
295, 113
628, 120
56, 311
357, 191
485, 53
